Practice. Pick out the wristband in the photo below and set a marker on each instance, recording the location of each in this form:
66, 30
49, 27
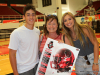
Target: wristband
95, 63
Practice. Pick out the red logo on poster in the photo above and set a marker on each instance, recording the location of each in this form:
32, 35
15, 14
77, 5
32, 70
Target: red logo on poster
50, 45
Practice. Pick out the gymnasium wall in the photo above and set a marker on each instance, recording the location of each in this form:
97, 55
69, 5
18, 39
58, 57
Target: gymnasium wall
75, 5
48, 9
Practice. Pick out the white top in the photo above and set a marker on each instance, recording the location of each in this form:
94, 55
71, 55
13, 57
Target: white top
37, 30
25, 41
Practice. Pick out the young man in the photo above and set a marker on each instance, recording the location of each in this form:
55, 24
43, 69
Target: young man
23, 46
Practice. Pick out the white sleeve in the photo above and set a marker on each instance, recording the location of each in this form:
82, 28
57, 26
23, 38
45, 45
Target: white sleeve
14, 40
37, 30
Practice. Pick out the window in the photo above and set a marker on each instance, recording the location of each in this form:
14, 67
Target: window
46, 2
63, 1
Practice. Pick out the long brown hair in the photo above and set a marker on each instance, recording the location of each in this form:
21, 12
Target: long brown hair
78, 29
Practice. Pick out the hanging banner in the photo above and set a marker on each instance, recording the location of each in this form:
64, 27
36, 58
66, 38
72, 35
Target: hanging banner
90, 18
57, 59
82, 19
3, 4
22, 5
97, 16
86, 18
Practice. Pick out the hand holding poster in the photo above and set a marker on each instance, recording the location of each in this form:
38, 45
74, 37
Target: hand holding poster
57, 59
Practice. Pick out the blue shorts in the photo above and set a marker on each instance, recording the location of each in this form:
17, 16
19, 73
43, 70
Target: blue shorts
81, 68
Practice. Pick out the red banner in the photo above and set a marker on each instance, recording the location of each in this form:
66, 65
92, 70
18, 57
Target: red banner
12, 21
3, 4
97, 16
17, 5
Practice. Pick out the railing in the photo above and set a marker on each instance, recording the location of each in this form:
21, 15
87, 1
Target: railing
79, 14
87, 12
19, 16
40, 16
5, 35
40, 20
11, 16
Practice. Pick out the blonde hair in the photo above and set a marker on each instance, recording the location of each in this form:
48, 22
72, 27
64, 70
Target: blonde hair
77, 29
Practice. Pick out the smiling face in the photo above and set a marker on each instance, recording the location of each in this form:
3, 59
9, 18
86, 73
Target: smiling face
30, 17
68, 21
52, 25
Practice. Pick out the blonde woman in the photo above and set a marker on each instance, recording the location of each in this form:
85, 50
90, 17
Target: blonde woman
83, 37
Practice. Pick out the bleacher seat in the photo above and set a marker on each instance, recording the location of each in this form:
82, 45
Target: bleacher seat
5, 10
18, 8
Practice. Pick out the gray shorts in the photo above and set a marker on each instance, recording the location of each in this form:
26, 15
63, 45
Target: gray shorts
81, 68
30, 72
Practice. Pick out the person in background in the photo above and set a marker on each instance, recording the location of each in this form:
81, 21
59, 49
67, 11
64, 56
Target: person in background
51, 30
83, 37
23, 46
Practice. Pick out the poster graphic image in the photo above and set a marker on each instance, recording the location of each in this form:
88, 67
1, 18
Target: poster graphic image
62, 60
57, 58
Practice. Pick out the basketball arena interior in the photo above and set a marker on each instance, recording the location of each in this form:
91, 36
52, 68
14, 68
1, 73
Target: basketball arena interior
11, 17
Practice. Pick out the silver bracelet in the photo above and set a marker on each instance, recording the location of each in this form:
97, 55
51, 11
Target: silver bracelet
95, 63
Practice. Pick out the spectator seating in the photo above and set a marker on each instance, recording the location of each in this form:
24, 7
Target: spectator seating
5, 10
20, 10
96, 5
